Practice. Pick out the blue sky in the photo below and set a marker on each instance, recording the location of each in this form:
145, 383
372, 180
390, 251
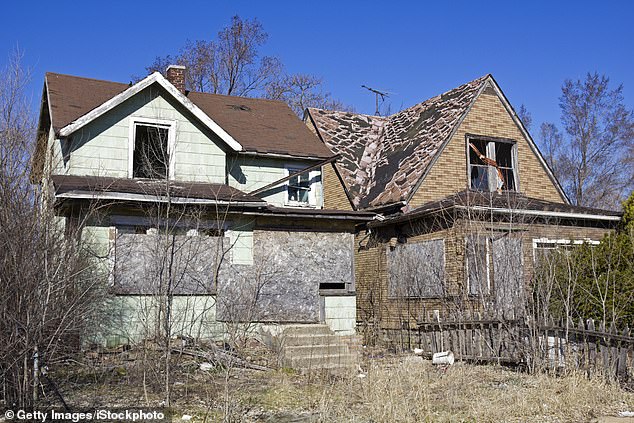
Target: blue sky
414, 49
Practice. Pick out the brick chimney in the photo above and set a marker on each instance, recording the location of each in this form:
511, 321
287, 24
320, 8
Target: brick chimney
176, 75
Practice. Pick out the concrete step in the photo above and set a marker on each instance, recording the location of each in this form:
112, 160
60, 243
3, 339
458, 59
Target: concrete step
309, 329
314, 350
321, 361
294, 340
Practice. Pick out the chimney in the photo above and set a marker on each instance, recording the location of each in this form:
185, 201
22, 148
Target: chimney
176, 75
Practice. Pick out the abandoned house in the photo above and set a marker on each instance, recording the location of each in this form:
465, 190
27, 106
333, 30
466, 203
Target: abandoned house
213, 201
240, 212
466, 204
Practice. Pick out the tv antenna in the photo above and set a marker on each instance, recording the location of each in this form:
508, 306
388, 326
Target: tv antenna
377, 94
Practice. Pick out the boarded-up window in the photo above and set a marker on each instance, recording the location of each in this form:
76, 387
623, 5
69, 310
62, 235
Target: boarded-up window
417, 269
477, 255
507, 267
147, 262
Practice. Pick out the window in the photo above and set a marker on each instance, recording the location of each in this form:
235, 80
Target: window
543, 248
492, 164
301, 189
507, 258
141, 264
151, 146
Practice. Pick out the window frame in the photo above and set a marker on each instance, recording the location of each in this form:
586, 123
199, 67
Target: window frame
490, 153
170, 125
556, 243
488, 264
312, 192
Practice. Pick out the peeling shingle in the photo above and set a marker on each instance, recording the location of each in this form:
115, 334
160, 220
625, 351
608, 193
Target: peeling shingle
383, 158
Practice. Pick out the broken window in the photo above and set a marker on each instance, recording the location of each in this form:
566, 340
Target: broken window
417, 270
477, 263
151, 155
300, 190
492, 165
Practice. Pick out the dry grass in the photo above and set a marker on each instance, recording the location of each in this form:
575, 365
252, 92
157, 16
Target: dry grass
394, 389
417, 391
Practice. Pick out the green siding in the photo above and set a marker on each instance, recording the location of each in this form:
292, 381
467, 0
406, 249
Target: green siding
241, 238
101, 147
96, 240
341, 314
135, 318
251, 173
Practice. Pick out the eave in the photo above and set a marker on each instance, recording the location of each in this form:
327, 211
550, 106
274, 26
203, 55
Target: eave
157, 78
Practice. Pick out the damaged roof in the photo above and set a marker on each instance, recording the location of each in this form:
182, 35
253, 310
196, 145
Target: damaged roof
259, 125
384, 158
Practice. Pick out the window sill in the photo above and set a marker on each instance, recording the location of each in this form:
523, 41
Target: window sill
336, 293
502, 191
300, 205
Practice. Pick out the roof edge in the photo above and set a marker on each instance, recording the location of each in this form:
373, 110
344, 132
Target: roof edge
449, 137
334, 165
155, 77
531, 142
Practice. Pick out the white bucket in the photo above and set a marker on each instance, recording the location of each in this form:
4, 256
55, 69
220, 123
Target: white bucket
443, 358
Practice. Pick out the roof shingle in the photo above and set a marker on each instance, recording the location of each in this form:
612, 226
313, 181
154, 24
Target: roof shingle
259, 125
65, 184
384, 158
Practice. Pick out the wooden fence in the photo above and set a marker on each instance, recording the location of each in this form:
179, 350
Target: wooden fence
584, 345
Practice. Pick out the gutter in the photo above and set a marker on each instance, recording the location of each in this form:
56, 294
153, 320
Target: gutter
312, 216
277, 155
500, 210
91, 195
542, 213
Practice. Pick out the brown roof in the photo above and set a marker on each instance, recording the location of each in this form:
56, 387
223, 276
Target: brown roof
386, 157
506, 200
262, 126
65, 184
259, 125
71, 97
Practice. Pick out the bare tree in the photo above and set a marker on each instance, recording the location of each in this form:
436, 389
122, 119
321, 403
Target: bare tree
52, 288
593, 162
525, 116
301, 91
230, 64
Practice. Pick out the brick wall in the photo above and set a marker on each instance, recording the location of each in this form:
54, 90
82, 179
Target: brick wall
334, 194
376, 312
487, 117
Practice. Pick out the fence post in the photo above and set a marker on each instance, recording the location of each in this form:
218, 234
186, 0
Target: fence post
621, 368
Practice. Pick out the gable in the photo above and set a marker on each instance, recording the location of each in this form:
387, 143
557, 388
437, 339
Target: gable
487, 117
384, 158
102, 146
